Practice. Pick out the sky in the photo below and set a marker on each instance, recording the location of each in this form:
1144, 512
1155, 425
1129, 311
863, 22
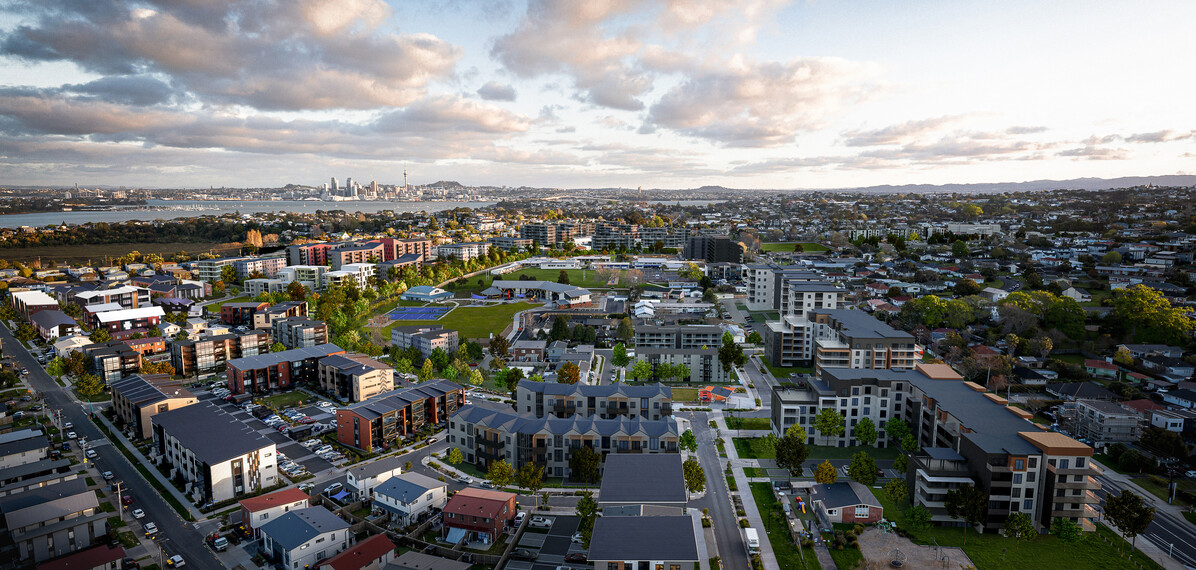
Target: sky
769, 94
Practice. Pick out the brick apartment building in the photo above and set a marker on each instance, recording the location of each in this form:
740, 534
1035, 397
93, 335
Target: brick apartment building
379, 421
277, 370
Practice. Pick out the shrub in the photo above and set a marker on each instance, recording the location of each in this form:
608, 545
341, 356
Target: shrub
740, 512
743, 523
705, 522
859, 529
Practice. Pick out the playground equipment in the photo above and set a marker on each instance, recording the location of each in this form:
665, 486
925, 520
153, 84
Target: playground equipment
896, 558
801, 505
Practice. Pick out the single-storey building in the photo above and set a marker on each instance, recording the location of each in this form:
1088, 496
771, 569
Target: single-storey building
847, 502
426, 294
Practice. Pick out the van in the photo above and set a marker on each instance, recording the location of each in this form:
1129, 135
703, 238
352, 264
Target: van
753, 540
788, 509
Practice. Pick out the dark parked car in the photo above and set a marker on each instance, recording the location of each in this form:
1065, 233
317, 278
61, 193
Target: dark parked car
522, 554
575, 557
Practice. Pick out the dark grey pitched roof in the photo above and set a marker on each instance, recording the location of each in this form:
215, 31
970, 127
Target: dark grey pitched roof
590, 390
643, 478
512, 422
398, 399
644, 538
297, 527
407, 487
212, 434
51, 318
845, 494
267, 360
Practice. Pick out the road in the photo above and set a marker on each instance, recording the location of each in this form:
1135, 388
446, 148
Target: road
1166, 531
181, 537
726, 525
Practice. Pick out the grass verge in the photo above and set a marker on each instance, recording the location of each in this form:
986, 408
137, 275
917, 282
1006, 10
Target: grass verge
749, 423
778, 531
752, 448
473, 322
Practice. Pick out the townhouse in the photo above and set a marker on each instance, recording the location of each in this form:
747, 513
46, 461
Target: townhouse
610, 401
382, 420
54, 520
484, 434
23, 447
112, 360
299, 332
264, 319
217, 455
635, 542
130, 320
426, 338
354, 377
51, 324
26, 303
277, 370
137, 399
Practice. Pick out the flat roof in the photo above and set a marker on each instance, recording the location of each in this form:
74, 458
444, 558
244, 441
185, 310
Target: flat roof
644, 538
212, 434
270, 359
859, 324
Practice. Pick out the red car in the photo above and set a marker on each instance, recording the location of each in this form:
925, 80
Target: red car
126, 500
575, 557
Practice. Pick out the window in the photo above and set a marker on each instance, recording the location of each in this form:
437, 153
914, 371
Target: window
861, 511
1019, 464
1017, 478
1028, 505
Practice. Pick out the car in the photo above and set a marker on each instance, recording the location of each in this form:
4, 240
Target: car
430, 440
519, 518
150, 529
138, 513
72, 435
466, 480
523, 554
217, 542
91, 454
126, 500
1191, 474
66, 445
175, 561
540, 522
108, 476
880, 472
333, 489
68, 425
487, 485
575, 557
577, 538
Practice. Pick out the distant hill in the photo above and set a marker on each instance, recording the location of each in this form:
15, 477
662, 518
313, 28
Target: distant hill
447, 184
1036, 185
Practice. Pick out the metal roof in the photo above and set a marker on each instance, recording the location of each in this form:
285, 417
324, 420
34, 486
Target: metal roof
300, 526
212, 434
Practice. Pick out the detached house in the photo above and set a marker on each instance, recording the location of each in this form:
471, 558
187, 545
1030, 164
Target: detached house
304, 537
477, 515
258, 511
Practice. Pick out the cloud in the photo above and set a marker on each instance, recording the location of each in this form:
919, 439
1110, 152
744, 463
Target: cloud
266, 54
761, 104
1093, 152
1160, 136
449, 115
139, 90
1025, 130
900, 133
495, 91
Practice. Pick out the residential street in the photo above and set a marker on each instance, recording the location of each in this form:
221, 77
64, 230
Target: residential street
718, 499
1168, 533
176, 535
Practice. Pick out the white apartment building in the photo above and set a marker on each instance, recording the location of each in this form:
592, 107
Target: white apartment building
218, 455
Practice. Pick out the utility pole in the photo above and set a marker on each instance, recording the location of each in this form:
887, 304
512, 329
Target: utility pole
120, 501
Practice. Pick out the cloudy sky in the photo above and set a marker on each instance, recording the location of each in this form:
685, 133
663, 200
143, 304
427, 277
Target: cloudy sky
593, 93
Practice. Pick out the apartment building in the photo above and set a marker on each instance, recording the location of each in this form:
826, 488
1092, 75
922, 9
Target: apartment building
485, 434
128, 297
379, 422
396, 248
614, 236
678, 336
610, 401
543, 234
209, 270
130, 319
383, 271
264, 319
426, 338
765, 283
968, 436
217, 455
369, 252
878, 395
703, 363
277, 370
267, 266
308, 254
354, 377
112, 360
310, 276
665, 237
355, 273
207, 355
52, 521
837, 338
509, 243
463, 251
137, 399
714, 249
235, 314
1102, 422
26, 303
299, 332
798, 296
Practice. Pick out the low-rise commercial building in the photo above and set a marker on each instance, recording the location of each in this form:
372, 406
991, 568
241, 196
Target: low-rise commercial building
217, 455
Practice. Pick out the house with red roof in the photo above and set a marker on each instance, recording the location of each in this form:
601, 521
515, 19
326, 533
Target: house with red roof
257, 511
1100, 368
477, 515
1143, 406
373, 553
93, 558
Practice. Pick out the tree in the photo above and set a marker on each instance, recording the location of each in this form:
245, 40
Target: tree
1111, 258
862, 468
583, 464
277, 347
625, 330
474, 350
829, 423
695, 476
901, 464
530, 477
688, 442
568, 373
296, 291
500, 473
865, 432
163, 367
1150, 317
500, 347
918, 518
909, 444
587, 511
641, 370
25, 332
968, 503
1163, 442
959, 249
563, 277
896, 429
730, 354
475, 377
619, 357
100, 335
1042, 346
228, 274
56, 367
89, 386
896, 490
1123, 357
439, 358
754, 338
454, 456
1066, 530
559, 330
792, 450
1019, 526
1129, 513
427, 371
825, 473
509, 377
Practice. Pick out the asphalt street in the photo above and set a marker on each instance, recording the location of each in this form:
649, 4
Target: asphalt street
175, 535
1170, 533
718, 499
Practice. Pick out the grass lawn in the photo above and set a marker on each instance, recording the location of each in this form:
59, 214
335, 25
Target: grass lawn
1108, 463
215, 307
778, 531
685, 394
808, 247
993, 551
752, 448
472, 322
280, 401
587, 278
755, 472
1158, 487
1191, 516
782, 372
749, 423
1069, 358
764, 316
825, 452
847, 558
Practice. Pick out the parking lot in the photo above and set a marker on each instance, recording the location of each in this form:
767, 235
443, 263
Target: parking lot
289, 449
550, 548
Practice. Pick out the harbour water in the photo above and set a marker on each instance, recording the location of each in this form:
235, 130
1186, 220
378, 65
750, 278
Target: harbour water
174, 209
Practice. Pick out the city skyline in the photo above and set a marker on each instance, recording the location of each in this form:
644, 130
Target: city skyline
669, 94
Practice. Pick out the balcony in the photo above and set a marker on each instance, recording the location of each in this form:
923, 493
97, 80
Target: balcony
1087, 483
1085, 511
491, 443
1090, 469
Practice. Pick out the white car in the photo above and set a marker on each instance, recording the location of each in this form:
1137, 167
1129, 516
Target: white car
175, 561
138, 513
577, 538
108, 476
68, 425
91, 454
540, 522
72, 435
333, 489
150, 529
